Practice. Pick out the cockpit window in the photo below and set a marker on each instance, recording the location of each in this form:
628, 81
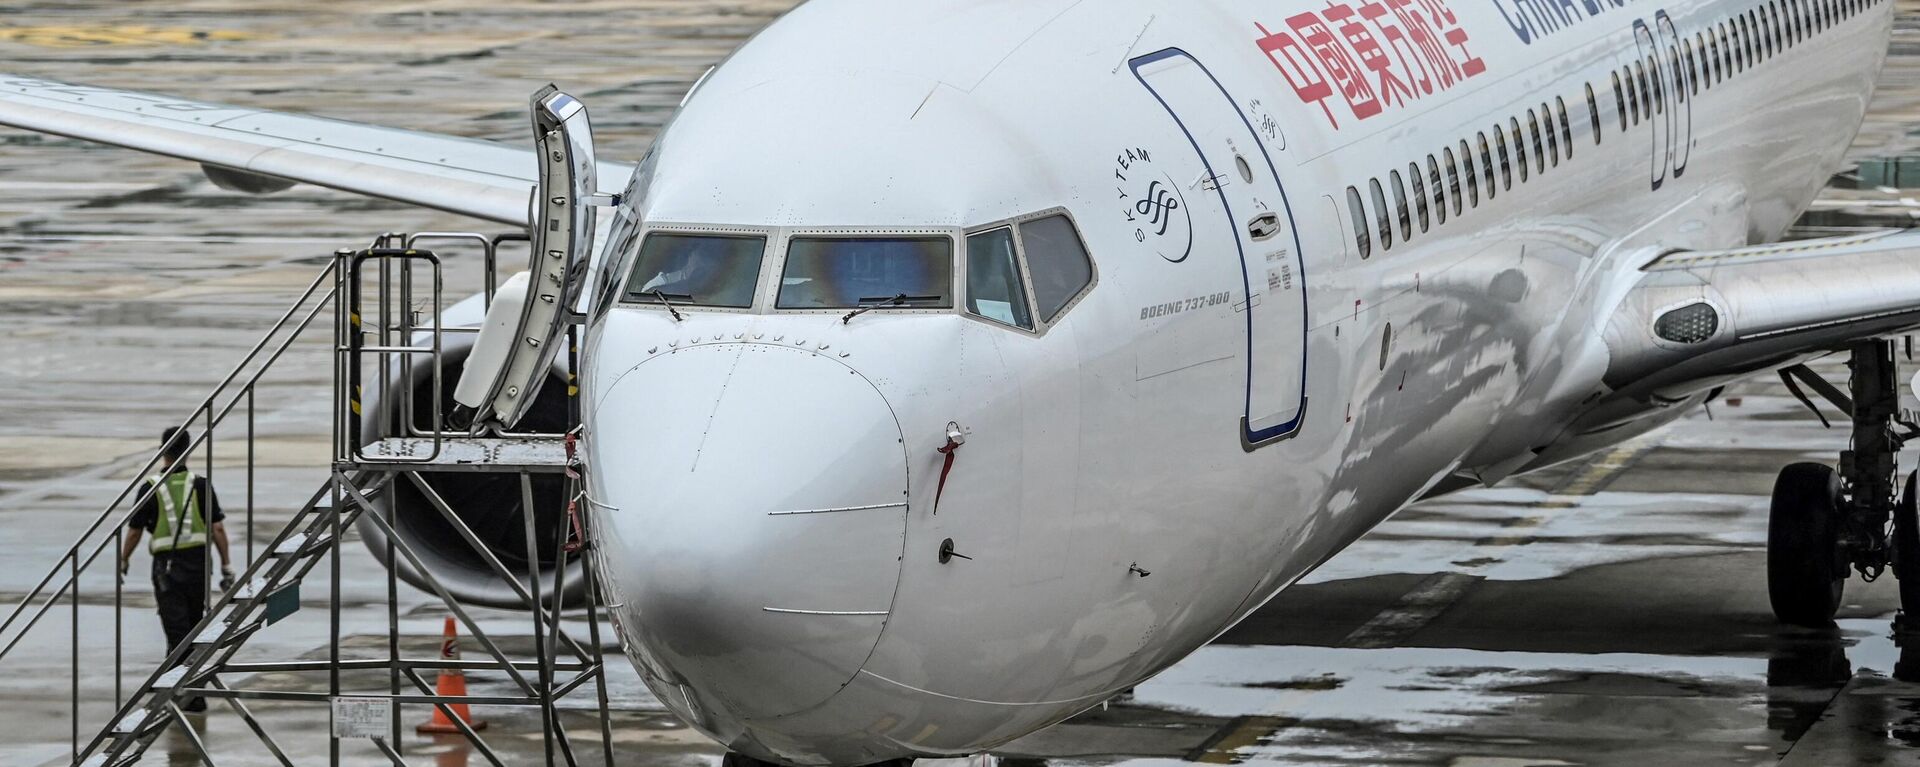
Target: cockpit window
849, 272
719, 270
994, 288
1058, 262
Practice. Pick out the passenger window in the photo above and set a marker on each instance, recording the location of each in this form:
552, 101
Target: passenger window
1749, 47
1619, 102
1712, 52
1466, 169
1566, 130
1693, 71
1733, 52
1659, 86
1679, 72
1779, 29
697, 270
1419, 195
1453, 178
1633, 99
1358, 211
850, 272
1439, 192
1058, 261
1593, 113
1646, 93
1506, 161
1519, 146
1724, 52
995, 289
1381, 217
1400, 205
1539, 152
1486, 162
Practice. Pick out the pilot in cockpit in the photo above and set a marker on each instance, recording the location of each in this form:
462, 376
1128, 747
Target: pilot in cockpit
694, 267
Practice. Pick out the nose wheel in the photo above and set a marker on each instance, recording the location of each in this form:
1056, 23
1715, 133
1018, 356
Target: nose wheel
1825, 521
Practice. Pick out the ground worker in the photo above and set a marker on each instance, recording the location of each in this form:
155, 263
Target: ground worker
180, 514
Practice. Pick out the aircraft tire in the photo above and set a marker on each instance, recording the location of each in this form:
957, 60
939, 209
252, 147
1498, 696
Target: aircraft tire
1804, 578
1906, 551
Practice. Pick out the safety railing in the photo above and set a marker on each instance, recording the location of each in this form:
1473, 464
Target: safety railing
233, 405
234, 396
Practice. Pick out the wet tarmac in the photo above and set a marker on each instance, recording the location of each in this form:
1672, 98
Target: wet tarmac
1612, 611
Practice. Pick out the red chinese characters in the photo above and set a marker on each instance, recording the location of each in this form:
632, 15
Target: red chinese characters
1376, 54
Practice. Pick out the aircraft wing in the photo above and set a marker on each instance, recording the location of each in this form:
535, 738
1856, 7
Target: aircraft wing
261, 151
1698, 319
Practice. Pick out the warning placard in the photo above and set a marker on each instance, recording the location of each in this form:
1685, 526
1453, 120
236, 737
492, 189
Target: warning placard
362, 717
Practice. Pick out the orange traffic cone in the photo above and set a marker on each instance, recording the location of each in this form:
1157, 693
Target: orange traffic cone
453, 683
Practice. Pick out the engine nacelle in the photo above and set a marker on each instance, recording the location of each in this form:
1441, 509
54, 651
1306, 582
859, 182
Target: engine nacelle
489, 504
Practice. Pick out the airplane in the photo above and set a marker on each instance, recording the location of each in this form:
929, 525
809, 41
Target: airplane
953, 367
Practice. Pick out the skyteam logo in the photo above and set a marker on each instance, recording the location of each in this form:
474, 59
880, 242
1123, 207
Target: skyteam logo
1153, 205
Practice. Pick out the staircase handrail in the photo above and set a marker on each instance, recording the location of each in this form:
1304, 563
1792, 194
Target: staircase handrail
211, 420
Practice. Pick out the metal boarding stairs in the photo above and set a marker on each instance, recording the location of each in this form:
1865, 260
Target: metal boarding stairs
402, 351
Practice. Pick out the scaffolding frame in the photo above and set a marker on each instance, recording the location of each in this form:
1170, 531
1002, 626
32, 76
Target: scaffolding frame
373, 293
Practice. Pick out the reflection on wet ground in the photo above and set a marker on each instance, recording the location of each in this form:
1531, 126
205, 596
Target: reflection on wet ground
1608, 612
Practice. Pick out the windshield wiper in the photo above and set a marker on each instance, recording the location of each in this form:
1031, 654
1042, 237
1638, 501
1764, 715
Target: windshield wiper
669, 304
884, 303
866, 307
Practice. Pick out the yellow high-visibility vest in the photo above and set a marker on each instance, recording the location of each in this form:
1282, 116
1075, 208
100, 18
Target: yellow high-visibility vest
172, 493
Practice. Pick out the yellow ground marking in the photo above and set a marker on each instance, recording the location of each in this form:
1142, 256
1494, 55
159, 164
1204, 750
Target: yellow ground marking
1596, 474
1250, 732
85, 36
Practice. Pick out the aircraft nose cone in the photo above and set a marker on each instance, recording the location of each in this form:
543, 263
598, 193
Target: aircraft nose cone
757, 500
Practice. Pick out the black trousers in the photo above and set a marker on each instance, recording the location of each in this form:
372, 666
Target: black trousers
180, 587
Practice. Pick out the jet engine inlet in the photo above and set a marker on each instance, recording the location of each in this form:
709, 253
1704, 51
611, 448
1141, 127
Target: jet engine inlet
490, 505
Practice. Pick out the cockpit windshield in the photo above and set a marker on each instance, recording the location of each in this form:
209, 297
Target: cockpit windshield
717, 270
849, 272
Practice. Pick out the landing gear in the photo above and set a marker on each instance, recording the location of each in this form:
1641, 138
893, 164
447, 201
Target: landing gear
1805, 575
1825, 522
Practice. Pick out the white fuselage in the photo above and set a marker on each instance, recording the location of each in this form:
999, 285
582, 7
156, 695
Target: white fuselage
1165, 455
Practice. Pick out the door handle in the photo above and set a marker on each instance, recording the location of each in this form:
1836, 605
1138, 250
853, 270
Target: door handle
1263, 227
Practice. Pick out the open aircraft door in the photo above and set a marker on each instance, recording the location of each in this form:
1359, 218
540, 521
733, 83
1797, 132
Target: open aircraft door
1250, 218
527, 323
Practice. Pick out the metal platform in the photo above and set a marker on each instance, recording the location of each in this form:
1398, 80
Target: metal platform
493, 454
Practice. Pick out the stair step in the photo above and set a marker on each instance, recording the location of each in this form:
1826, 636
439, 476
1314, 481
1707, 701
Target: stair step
171, 678
213, 634
131, 723
291, 546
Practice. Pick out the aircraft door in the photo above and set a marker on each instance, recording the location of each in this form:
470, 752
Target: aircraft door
528, 320
1660, 122
1679, 62
1240, 182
